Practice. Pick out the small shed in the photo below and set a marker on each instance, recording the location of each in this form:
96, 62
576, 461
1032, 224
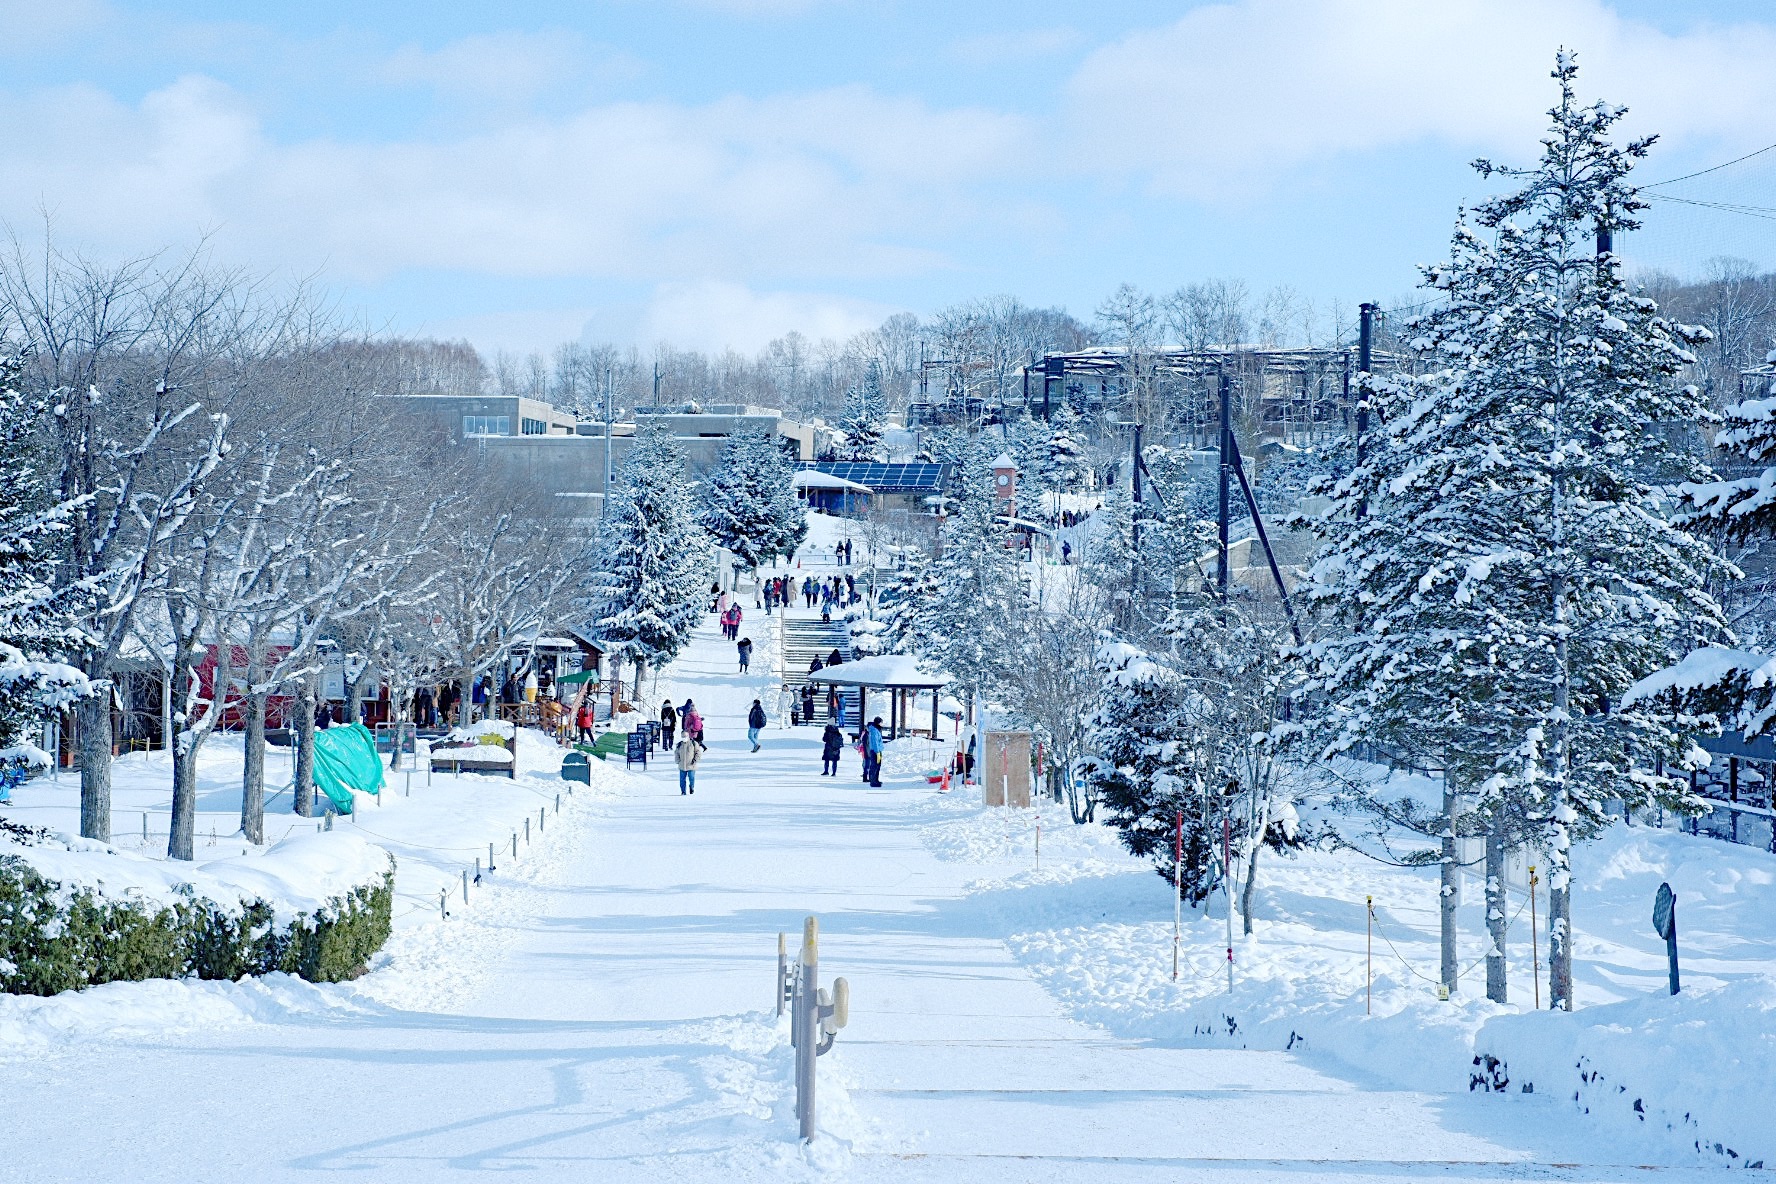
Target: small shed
897, 674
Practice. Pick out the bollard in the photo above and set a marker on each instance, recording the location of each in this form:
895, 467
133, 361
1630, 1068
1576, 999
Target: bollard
144, 828
557, 803
515, 844
409, 783
443, 913
477, 869
329, 820
466, 884
782, 973
542, 816
379, 799
490, 859
817, 1015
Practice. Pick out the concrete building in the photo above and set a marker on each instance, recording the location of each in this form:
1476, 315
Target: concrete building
548, 450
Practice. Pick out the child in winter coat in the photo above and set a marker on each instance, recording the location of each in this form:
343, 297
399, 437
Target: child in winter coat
693, 723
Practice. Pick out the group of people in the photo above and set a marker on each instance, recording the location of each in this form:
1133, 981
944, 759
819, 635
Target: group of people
832, 747
833, 592
730, 621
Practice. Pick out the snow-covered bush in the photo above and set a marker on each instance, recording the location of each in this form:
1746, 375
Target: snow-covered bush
63, 927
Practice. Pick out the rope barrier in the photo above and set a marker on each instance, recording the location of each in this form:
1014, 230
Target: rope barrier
1460, 970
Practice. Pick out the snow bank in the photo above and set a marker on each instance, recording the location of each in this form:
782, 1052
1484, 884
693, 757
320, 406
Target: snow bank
1696, 1065
298, 876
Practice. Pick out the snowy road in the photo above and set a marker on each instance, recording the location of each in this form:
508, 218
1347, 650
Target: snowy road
616, 1032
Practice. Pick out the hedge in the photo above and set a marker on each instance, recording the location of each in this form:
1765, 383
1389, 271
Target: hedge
53, 938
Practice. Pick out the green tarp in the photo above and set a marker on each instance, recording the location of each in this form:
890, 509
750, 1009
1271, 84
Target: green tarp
609, 744
346, 759
583, 676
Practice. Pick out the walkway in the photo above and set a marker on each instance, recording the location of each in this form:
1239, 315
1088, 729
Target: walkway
613, 1042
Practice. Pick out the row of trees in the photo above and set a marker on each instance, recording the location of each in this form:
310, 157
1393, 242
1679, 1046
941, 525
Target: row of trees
1519, 541
202, 467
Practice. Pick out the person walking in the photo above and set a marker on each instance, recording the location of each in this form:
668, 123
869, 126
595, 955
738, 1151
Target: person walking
808, 702
832, 702
668, 725
755, 722
832, 746
835, 658
686, 756
586, 720
693, 722
872, 753
745, 648
815, 664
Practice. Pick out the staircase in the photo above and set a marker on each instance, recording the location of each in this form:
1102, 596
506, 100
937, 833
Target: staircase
799, 640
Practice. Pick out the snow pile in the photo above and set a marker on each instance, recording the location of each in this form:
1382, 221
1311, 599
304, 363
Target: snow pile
297, 876
1696, 1064
158, 1008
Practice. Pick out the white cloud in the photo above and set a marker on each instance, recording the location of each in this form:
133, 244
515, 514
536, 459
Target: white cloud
708, 314
714, 315
1233, 94
841, 182
508, 67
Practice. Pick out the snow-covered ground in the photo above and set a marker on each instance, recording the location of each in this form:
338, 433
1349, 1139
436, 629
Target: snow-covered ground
601, 1009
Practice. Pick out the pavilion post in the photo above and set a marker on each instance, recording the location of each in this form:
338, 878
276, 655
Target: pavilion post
934, 694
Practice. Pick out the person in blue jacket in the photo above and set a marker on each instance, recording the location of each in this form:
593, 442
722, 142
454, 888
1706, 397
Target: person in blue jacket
872, 753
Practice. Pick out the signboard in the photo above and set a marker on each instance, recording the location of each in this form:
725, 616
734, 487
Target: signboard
1663, 905
636, 749
1006, 779
575, 766
333, 677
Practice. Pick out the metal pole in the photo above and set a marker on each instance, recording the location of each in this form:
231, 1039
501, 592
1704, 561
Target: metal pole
1227, 884
1264, 540
1365, 353
1535, 950
782, 969
1369, 955
1221, 503
609, 397
807, 1010
1178, 894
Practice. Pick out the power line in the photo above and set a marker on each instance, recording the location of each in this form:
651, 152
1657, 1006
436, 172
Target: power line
1765, 212
1711, 169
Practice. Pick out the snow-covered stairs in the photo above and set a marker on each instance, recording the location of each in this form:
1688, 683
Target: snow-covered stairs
801, 640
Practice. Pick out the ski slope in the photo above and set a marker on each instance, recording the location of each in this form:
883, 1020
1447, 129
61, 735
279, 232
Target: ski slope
602, 1012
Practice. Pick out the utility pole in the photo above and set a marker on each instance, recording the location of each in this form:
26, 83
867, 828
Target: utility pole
609, 396
1365, 343
1221, 493
1135, 523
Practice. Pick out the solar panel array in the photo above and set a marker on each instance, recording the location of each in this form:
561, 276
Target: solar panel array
887, 478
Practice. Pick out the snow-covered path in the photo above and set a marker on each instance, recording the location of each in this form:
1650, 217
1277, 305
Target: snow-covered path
617, 1029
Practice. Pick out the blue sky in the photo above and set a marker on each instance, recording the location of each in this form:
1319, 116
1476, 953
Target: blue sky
718, 172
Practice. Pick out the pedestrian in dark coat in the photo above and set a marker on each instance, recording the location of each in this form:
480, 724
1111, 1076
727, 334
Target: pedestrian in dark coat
668, 725
745, 648
832, 746
755, 722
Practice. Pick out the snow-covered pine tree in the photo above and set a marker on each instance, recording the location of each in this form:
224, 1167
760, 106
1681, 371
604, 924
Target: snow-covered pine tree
789, 517
1063, 466
1145, 767
36, 624
739, 506
910, 596
650, 595
1501, 563
866, 415
978, 583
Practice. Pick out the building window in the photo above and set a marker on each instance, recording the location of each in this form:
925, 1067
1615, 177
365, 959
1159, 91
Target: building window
487, 425
533, 427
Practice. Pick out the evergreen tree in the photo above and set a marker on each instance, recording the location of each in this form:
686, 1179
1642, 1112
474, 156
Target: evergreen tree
1500, 561
657, 558
36, 624
751, 507
789, 517
866, 414
1063, 467
911, 597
